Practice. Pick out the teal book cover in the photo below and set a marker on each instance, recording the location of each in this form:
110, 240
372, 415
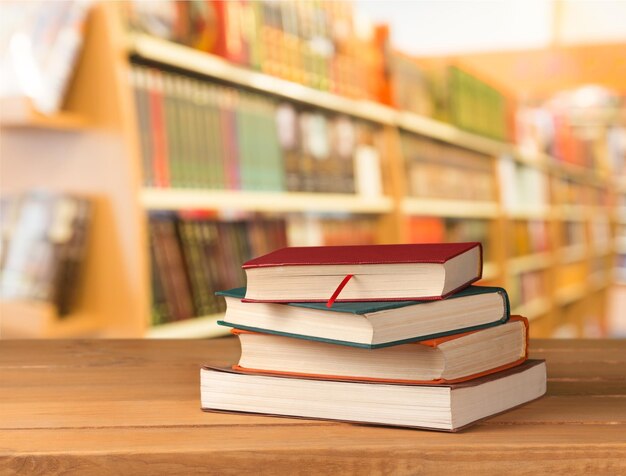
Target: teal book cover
362, 308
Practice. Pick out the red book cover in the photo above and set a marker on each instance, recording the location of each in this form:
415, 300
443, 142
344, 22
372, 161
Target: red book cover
362, 254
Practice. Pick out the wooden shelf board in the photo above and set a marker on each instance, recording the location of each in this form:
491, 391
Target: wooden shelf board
198, 327
448, 133
538, 160
576, 172
450, 208
189, 59
569, 294
573, 253
171, 199
529, 213
19, 113
571, 212
35, 319
532, 309
529, 262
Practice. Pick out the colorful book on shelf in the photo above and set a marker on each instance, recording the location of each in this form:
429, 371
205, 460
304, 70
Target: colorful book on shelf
363, 273
371, 324
449, 407
452, 359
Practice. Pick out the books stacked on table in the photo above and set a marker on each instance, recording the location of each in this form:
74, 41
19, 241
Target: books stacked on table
386, 334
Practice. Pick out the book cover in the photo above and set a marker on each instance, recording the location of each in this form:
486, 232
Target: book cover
375, 254
528, 395
362, 308
436, 342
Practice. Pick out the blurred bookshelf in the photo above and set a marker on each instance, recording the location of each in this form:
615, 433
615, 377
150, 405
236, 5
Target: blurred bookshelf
418, 179
18, 112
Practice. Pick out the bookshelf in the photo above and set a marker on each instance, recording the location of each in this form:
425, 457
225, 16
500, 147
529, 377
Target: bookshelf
198, 327
106, 163
278, 202
17, 112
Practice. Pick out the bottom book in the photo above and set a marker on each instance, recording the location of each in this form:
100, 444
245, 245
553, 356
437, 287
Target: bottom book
449, 407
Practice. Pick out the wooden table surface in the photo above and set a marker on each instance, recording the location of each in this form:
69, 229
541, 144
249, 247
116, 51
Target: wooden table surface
132, 407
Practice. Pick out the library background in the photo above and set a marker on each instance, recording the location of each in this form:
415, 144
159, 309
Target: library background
149, 148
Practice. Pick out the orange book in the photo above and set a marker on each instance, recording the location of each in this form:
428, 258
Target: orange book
444, 360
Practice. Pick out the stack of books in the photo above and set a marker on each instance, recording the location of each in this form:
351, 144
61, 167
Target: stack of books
385, 334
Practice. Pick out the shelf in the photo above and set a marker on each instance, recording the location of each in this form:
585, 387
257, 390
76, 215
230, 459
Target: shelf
530, 262
576, 172
171, 199
572, 253
18, 113
450, 208
198, 327
448, 133
529, 213
532, 309
189, 59
570, 294
571, 212
22, 319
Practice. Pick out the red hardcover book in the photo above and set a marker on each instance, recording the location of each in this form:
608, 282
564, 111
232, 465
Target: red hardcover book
363, 273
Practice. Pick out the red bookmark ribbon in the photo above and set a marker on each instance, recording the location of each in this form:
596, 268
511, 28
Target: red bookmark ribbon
342, 285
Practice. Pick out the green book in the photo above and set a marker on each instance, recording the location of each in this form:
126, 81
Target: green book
371, 325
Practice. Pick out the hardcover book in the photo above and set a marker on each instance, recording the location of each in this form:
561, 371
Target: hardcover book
363, 273
371, 324
451, 359
436, 407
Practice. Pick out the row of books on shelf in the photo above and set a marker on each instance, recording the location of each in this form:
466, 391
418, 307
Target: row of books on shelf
192, 253
313, 43
570, 192
325, 45
43, 240
435, 169
522, 186
196, 134
528, 237
527, 287
450, 93
192, 257
446, 229
580, 127
426, 352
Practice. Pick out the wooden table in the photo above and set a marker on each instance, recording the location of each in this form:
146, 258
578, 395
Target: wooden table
132, 407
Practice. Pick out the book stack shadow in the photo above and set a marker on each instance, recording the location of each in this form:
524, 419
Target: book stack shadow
386, 335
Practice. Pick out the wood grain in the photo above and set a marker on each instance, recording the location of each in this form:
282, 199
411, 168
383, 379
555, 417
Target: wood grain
132, 407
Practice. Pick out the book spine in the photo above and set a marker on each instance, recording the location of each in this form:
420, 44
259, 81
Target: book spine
139, 81
159, 139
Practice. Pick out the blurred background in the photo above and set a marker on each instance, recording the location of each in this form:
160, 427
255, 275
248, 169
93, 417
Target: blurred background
148, 148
